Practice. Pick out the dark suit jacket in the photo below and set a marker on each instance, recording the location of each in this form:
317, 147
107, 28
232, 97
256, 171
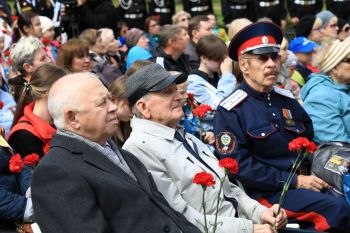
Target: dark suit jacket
77, 189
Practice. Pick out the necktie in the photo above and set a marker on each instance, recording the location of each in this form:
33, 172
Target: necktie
195, 153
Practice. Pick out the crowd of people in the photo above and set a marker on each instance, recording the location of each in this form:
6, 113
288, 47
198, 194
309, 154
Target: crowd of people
100, 130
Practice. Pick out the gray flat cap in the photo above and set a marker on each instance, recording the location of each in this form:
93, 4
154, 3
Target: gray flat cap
152, 77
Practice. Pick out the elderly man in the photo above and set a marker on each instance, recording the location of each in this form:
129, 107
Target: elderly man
173, 158
85, 184
172, 42
255, 124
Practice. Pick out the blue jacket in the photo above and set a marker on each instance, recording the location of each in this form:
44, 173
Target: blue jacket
255, 128
13, 187
328, 105
6, 115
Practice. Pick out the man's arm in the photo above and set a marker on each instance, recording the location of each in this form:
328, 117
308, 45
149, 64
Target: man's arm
64, 202
251, 172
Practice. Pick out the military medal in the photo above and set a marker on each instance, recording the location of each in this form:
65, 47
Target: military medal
287, 114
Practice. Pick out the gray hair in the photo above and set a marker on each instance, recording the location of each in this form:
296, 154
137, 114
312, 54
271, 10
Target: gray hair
23, 52
135, 110
168, 32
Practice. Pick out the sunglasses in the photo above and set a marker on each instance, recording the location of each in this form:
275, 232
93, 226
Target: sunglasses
265, 57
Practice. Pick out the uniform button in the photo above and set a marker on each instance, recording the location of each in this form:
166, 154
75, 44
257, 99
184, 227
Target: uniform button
273, 114
276, 125
297, 130
270, 104
263, 134
166, 228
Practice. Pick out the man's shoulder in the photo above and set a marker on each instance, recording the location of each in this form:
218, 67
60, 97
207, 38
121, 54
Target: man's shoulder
237, 97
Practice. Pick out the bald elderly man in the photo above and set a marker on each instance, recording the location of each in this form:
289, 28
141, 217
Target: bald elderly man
85, 183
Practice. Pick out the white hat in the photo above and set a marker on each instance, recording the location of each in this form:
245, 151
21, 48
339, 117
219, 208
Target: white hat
46, 23
334, 55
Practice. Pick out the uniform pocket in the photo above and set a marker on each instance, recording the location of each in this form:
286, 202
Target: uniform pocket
297, 127
262, 132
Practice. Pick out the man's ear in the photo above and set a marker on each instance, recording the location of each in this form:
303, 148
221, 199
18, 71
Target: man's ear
71, 119
28, 68
243, 65
143, 109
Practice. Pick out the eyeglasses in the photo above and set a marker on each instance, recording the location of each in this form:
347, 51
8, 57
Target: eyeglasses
185, 19
334, 25
265, 57
346, 60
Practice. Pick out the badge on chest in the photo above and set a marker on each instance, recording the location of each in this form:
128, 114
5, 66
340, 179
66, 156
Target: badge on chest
225, 142
287, 114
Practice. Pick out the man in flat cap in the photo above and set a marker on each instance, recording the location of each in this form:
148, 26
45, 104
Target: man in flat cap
259, 120
85, 183
173, 158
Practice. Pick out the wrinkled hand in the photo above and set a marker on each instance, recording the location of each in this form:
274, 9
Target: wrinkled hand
279, 221
226, 66
263, 228
27, 228
209, 137
311, 183
81, 2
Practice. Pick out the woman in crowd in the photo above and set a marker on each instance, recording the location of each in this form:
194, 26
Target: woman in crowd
102, 66
207, 86
326, 95
329, 28
151, 30
74, 56
27, 55
344, 29
32, 125
28, 24
117, 89
138, 46
182, 18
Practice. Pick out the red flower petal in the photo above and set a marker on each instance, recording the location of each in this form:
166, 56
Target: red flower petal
230, 164
31, 159
204, 179
16, 164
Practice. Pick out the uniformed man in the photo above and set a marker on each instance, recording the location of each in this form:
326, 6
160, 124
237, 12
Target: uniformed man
162, 9
234, 9
255, 124
272, 9
299, 8
198, 7
41, 7
134, 12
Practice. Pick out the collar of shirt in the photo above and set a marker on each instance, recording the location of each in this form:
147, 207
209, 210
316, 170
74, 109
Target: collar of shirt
154, 128
253, 93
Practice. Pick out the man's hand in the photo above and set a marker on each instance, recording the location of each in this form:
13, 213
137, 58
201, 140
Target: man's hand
263, 228
27, 228
209, 137
279, 221
81, 2
311, 183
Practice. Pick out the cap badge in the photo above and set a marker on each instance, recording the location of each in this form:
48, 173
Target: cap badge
265, 40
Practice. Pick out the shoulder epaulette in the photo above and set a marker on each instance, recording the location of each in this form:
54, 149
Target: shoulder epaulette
234, 99
284, 92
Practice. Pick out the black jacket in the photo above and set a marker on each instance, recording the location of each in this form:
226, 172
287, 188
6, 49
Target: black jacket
182, 64
77, 189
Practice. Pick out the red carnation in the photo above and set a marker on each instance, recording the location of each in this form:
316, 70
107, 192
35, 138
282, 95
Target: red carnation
46, 41
16, 164
201, 110
7, 53
311, 148
204, 179
230, 165
1, 104
31, 159
302, 143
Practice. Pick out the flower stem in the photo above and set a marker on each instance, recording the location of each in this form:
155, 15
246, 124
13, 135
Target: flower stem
205, 215
218, 202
